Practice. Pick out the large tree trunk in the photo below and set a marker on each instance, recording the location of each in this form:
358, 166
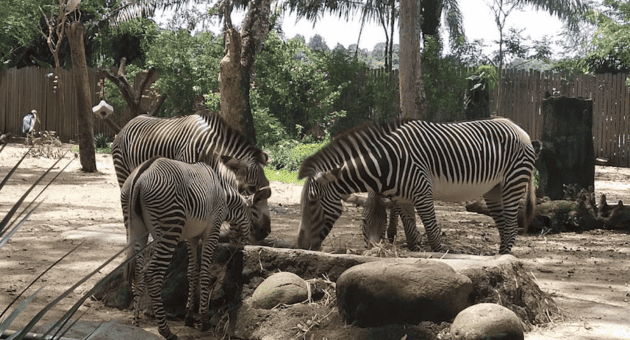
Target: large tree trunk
234, 87
84, 100
412, 95
237, 68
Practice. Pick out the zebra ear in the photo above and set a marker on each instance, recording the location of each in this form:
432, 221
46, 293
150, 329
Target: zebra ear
262, 194
233, 163
327, 176
266, 158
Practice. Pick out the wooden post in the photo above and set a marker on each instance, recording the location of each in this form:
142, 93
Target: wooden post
567, 156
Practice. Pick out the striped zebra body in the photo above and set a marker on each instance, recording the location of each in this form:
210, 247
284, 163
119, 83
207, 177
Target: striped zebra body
176, 201
414, 163
188, 139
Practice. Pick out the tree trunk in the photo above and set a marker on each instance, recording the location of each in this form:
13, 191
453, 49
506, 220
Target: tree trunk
237, 68
234, 87
412, 95
567, 156
84, 101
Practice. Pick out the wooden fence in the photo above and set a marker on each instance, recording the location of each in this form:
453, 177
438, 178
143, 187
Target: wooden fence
32, 88
523, 92
25, 89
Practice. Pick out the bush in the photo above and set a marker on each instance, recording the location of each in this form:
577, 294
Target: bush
188, 67
289, 154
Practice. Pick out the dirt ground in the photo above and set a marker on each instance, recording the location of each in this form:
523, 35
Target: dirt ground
587, 274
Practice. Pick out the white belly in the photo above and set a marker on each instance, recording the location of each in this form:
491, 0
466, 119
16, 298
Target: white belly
459, 192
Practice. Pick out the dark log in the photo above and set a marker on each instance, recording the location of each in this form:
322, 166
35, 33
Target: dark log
572, 215
567, 156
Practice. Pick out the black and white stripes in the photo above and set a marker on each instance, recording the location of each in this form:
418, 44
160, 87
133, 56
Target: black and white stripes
415, 162
188, 139
176, 201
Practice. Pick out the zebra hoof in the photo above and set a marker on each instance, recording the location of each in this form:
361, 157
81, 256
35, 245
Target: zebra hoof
189, 321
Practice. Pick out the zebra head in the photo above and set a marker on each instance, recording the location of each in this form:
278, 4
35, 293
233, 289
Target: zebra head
251, 181
261, 224
321, 207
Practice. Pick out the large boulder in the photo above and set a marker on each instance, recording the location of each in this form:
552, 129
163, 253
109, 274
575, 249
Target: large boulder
487, 321
379, 293
280, 288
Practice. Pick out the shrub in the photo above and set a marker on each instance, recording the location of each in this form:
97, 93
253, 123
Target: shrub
290, 154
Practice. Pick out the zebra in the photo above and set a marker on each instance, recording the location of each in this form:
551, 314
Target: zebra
176, 201
187, 139
374, 219
414, 162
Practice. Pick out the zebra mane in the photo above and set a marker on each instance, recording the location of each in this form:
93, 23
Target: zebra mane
333, 156
236, 138
226, 175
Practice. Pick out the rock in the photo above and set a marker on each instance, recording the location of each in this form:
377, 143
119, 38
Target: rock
487, 321
280, 288
379, 293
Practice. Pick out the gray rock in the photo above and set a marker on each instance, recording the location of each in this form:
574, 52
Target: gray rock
280, 288
487, 321
380, 293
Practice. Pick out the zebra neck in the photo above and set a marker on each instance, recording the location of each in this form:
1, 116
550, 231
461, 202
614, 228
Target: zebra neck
220, 138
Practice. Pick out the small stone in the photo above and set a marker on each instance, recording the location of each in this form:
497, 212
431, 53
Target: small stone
487, 321
280, 288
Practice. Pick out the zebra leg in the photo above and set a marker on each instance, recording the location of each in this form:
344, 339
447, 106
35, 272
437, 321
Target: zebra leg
210, 242
392, 225
408, 216
494, 202
156, 271
511, 198
138, 286
426, 210
193, 281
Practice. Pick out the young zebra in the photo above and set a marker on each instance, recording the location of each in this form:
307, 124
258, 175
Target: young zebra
177, 201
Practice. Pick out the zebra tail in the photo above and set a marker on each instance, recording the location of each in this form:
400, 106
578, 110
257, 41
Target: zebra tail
530, 205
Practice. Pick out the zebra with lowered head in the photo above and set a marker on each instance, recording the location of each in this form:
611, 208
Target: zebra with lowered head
176, 201
187, 139
414, 163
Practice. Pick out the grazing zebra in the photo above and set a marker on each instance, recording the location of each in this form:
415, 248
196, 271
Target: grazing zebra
187, 139
414, 162
177, 201
375, 224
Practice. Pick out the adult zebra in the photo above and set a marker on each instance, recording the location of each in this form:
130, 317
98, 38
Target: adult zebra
187, 139
177, 201
414, 162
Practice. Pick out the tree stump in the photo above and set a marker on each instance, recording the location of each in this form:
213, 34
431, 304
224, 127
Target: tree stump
567, 156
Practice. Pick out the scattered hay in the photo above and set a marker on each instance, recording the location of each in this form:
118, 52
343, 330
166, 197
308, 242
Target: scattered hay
45, 144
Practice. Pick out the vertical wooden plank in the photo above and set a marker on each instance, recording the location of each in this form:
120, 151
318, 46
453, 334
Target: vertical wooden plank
3, 102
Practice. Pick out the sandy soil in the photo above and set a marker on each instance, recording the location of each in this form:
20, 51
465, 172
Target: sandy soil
588, 274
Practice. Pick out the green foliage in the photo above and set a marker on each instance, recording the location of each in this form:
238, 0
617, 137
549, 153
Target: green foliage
129, 40
188, 67
283, 176
489, 73
612, 39
363, 96
290, 154
292, 85
444, 83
